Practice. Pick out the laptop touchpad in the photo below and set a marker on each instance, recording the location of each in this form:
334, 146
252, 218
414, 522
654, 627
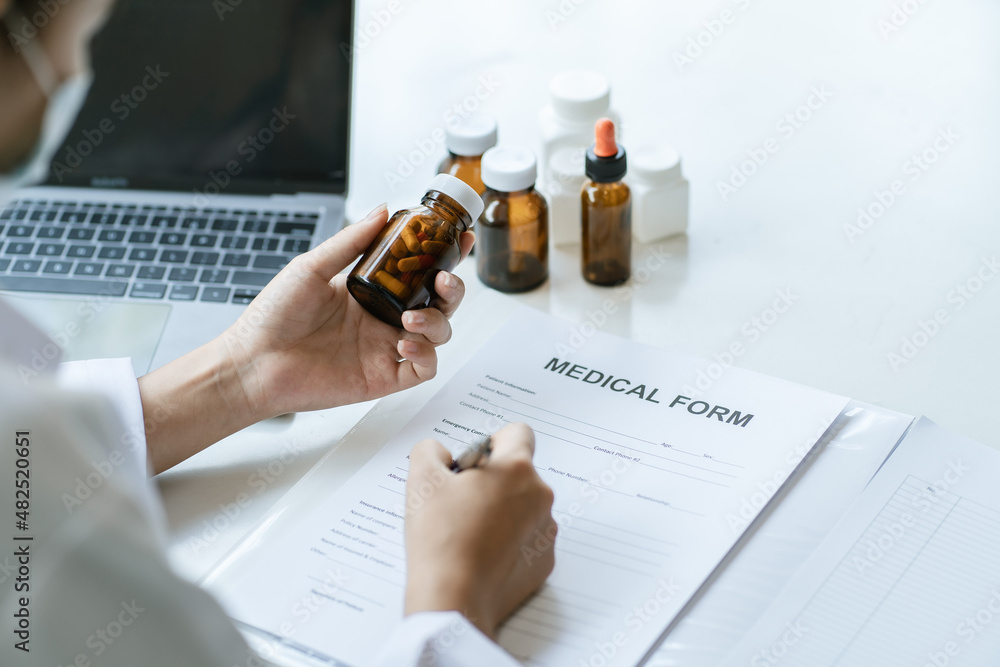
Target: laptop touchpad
93, 328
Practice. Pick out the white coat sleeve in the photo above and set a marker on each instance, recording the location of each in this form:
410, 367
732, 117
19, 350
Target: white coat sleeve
441, 639
95, 587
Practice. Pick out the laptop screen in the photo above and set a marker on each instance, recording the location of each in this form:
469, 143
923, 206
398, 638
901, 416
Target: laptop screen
216, 96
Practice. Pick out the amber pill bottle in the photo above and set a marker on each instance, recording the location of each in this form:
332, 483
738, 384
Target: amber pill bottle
397, 271
606, 211
467, 139
513, 233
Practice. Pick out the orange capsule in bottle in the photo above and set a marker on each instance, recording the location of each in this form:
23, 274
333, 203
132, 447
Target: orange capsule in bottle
398, 269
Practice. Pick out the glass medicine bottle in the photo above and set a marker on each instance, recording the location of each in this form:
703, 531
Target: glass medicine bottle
513, 234
606, 211
467, 139
397, 271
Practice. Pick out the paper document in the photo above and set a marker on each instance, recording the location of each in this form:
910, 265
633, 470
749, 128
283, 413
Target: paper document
654, 479
909, 577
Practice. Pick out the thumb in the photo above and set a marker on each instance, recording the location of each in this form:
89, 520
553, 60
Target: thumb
337, 252
429, 463
427, 457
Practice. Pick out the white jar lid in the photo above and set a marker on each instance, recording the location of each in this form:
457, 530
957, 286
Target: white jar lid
580, 95
657, 164
471, 135
465, 196
509, 169
569, 163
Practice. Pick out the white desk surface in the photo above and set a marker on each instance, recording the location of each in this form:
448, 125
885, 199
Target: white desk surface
783, 230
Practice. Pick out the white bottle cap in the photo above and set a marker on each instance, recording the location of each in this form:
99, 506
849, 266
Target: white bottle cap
509, 169
656, 164
580, 95
465, 196
472, 135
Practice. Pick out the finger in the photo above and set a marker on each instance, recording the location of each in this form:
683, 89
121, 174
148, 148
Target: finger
337, 252
450, 292
465, 242
430, 323
419, 365
513, 442
426, 457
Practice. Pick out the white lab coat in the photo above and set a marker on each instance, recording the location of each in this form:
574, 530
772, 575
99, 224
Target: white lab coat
98, 586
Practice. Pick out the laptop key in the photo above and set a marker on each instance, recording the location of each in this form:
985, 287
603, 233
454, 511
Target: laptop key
183, 275
43, 216
89, 269
235, 242
204, 240
297, 227
142, 254
23, 231
20, 248
169, 221
120, 270
51, 249
74, 216
257, 278
215, 276
256, 226
148, 290
174, 256
184, 292
205, 258
233, 259
104, 218
142, 237
112, 235
62, 285
215, 294
51, 232
57, 267
80, 234
81, 251
27, 265
271, 261
245, 296
269, 245
111, 252
194, 223
133, 220
151, 272
173, 239
4, 263
224, 225
296, 245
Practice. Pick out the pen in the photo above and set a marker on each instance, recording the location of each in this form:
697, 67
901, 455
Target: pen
477, 452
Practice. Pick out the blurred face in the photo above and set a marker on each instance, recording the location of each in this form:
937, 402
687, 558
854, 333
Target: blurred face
57, 33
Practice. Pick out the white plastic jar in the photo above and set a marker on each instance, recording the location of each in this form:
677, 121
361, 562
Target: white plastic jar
577, 99
660, 194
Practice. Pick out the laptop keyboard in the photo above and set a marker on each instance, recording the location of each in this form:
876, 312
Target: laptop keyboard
145, 251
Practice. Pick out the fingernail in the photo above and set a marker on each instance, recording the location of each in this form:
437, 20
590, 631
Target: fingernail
414, 317
384, 206
450, 280
406, 347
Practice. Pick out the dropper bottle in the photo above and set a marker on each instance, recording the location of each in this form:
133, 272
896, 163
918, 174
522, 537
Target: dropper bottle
606, 211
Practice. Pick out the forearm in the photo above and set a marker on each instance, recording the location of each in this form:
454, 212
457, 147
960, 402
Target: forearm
192, 403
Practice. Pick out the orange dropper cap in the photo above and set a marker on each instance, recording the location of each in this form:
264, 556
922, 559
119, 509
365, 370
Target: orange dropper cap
604, 132
605, 161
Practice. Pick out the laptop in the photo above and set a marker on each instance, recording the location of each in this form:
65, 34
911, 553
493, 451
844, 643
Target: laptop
212, 148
